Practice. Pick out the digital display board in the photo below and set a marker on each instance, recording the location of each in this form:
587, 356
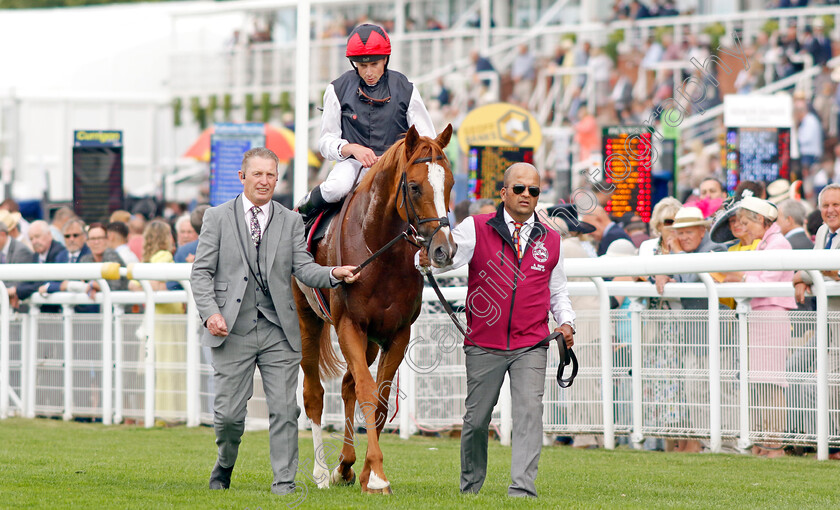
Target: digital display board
627, 167
487, 165
756, 154
97, 174
227, 145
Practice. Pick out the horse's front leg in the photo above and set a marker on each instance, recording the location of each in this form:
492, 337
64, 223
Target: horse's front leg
354, 346
311, 329
389, 363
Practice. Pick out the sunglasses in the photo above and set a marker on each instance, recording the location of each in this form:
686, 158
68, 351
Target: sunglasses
69, 236
668, 222
519, 189
370, 100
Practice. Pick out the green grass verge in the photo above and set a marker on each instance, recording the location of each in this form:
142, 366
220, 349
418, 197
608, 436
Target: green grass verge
53, 464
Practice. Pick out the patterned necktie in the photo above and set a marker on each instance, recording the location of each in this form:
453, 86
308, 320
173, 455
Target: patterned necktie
516, 228
256, 232
829, 239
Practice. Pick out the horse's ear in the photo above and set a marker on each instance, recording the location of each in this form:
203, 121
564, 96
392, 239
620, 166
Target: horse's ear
411, 139
443, 138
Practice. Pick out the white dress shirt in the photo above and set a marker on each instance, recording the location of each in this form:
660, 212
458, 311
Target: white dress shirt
262, 219
331, 141
464, 237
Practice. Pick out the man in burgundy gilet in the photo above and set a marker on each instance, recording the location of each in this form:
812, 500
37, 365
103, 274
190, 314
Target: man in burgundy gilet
516, 279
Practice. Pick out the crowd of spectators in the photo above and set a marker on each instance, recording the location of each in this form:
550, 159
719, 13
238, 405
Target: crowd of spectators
69, 239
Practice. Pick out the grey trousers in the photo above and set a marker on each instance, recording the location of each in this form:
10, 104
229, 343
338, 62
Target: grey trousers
234, 362
485, 374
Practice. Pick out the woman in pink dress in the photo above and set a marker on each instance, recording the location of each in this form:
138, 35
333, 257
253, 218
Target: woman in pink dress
769, 329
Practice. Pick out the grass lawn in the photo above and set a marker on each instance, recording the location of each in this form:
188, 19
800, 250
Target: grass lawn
53, 464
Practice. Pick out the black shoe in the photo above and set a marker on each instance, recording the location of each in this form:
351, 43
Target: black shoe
312, 204
220, 477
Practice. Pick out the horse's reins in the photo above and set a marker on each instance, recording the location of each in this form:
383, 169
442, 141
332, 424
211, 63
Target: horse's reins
410, 230
567, 355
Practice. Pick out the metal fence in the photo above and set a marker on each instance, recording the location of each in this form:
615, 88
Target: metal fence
732, 377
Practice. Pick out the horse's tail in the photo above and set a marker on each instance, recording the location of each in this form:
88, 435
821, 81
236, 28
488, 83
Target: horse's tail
329, 365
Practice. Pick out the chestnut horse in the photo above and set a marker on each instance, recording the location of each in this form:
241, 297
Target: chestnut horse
407, 190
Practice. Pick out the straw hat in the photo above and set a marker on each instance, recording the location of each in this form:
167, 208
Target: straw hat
10, 219
689, 217
778, 190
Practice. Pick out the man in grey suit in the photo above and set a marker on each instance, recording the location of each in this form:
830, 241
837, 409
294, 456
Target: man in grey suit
12, 251
248, 250
791, 220
826, 239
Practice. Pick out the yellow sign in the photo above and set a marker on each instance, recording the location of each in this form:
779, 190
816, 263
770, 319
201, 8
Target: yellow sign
499, 125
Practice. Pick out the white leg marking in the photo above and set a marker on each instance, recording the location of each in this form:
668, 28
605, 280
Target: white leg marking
375, 483
320, 473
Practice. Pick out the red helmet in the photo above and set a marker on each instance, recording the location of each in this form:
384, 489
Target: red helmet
368, 43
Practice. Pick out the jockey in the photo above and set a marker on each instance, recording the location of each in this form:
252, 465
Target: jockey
366, 110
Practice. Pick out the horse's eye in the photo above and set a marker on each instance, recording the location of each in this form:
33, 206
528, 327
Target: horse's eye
414, 188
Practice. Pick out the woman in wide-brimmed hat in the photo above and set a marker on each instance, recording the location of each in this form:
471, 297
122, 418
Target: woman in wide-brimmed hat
769, 331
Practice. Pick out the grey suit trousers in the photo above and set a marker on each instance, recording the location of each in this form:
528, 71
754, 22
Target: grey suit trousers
485, 375
234, 362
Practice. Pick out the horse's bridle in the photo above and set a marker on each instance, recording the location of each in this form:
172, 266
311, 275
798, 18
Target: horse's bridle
410, 233
411, 211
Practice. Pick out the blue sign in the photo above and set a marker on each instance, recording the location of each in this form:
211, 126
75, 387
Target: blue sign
227, 145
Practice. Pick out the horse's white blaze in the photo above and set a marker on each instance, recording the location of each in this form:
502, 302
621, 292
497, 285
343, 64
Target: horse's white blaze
320, 473
437, 177
375, 483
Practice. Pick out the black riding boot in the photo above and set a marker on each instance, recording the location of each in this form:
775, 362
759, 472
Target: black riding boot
312, 204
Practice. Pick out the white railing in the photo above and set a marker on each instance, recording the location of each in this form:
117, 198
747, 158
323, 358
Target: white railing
433, 398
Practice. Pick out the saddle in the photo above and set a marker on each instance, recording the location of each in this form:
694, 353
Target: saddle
315, 230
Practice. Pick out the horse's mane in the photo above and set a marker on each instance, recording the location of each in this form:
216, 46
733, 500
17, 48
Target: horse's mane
393, 157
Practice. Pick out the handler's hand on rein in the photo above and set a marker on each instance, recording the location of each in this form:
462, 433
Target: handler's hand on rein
345, 274
568, 334
216, 325
423, 259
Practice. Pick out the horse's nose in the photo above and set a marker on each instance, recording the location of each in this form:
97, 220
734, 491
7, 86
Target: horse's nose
442, 256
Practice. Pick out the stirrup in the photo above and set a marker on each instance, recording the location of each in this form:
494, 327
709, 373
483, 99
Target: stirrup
312, 204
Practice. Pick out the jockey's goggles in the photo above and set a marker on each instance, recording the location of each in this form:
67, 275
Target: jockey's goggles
370, 100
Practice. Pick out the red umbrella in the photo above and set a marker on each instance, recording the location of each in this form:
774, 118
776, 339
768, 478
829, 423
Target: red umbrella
274, 140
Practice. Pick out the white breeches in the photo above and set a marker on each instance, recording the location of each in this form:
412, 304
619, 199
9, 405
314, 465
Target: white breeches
341, 179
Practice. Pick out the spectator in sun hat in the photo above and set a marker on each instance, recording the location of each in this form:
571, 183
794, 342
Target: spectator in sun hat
693, 237
692, 234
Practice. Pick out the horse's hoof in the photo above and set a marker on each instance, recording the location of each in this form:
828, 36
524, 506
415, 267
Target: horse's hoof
337, 479
321, 476
386, 491
377, 485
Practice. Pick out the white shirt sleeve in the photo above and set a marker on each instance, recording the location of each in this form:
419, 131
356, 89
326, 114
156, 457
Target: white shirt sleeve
561, 305
464, 237
418, 116
331, 141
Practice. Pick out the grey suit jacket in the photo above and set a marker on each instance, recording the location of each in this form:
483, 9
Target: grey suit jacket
19, 253
220, 271
800, 241
819, 244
